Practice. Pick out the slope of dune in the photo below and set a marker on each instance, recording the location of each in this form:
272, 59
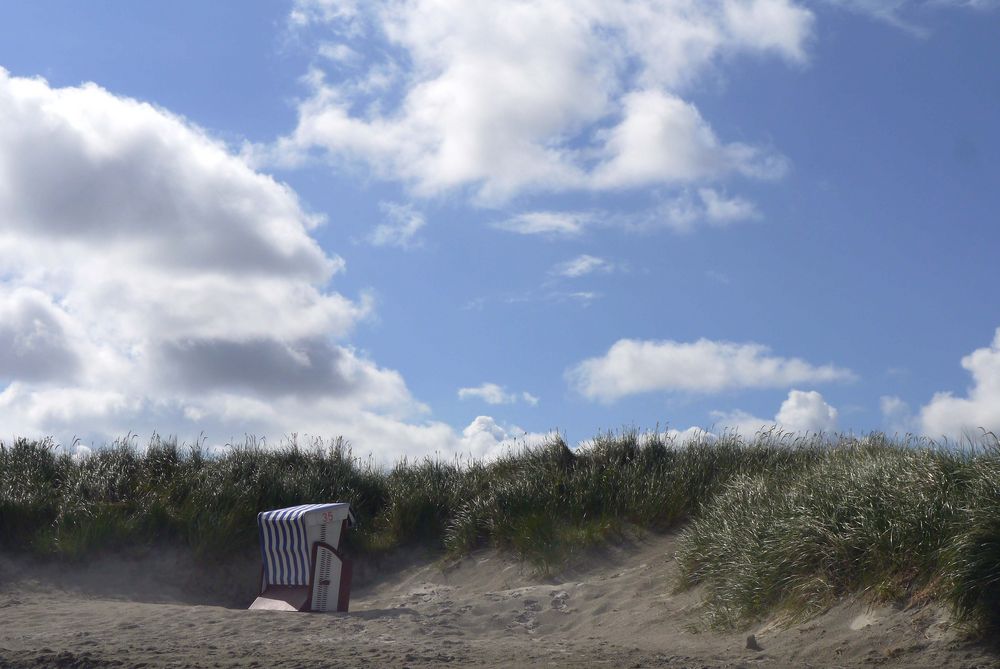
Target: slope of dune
613, 607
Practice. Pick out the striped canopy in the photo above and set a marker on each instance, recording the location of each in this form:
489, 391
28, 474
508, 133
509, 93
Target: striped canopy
284, 543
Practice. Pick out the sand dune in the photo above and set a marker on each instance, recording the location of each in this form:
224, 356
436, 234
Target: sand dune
615, 608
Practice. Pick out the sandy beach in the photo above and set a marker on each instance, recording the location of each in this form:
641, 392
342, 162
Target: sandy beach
614, 608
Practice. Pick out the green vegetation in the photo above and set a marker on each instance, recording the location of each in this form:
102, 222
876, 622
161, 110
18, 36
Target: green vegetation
774, 523
862, 515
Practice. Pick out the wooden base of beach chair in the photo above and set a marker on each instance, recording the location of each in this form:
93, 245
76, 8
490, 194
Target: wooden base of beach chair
282, 598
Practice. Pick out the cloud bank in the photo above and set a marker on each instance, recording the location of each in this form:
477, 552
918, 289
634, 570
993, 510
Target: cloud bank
153, 279
499, 98
633, 366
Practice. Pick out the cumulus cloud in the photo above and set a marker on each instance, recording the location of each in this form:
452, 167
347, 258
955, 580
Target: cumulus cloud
806, 411
500, 98
802, 412
954, 417
401, 228
492, 393
154, 281
634, 366
581, 266
662, 138
487, 439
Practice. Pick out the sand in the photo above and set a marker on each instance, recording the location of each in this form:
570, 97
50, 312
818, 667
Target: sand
614, 608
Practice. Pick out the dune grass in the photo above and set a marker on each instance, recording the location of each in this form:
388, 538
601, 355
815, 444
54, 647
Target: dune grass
774, 523
903, 521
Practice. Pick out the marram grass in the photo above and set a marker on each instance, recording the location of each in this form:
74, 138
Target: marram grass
775, 523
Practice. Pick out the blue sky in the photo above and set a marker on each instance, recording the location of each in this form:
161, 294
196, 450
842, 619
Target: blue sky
438, 227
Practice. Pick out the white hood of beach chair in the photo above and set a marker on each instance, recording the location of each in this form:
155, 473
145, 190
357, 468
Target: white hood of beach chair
284, 538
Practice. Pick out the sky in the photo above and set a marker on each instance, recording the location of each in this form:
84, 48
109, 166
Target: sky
442, 227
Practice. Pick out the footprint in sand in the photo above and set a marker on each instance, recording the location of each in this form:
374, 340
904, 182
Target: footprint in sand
527, 617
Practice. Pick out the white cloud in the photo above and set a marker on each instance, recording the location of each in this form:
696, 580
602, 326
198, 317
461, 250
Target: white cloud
401, 229
487, 439
900, 13
806, 411
502, 98
884, 8
529, 399
663, 139
79, 452
581, 297
681, 212
688, 210
581, 266
636, 366
547, 223
672, 436
695, 434
802, 412
306, 12
153, 281
722, 210
955, 417
338, 53
896, 415
492, 393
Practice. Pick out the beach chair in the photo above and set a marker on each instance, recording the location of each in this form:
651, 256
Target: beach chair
303, 568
